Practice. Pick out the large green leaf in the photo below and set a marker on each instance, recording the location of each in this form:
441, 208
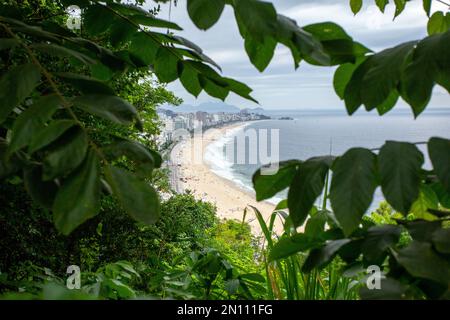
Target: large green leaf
260, 52
303, 44
30, 121
108, 107
390, 289
214, 88
267, 186
342, 77
56, 50
144, 159
83, 185
143, 48
42, 192
304, 189
97, 19
439, 151
438, 23
425, 69
378, 240
319, 258
137, 197
205, 13
65, 154
419, 259
384, 74
441, 240
352, 187
189, 79
288, 246
15, 85
263, 18
49, 134
399, 165
166, 65
85, 84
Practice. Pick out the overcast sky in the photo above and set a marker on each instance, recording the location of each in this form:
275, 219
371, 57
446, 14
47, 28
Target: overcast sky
280, 86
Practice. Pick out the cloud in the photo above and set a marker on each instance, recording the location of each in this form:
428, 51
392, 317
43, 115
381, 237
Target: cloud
281, 86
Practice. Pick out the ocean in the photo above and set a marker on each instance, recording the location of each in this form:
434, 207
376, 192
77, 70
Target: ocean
321, 132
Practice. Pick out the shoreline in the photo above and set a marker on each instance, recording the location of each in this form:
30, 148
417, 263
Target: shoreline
192, 172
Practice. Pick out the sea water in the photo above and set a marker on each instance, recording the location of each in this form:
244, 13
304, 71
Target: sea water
322, 132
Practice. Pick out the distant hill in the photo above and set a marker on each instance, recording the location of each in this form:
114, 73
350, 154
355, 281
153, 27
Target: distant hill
255, 110
211, 107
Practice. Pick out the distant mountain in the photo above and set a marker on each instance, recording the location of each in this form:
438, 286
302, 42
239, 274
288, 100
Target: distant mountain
255, 110
211, 107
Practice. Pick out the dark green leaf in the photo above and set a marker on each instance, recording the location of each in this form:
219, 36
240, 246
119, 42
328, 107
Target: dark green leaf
425, 69
389, 103
57, 50
260, 52
441, 240
42, 192
49, 134
15, 85
84, 186
421, 230
166, 65
85, 84
378, 240
143, 48
384, 74
205, 13
65, 154
342, 77
391, 289
136, 152
438, 23
137, 197
268, 185
97, 19
287, 246
189, 79
108, 107
319, 258
427, 6
352, 187
30, 121
419, 259
263, 18
214, 88
399, 165
305, 187
439, 151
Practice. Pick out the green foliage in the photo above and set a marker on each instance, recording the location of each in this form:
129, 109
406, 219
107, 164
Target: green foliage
68, 127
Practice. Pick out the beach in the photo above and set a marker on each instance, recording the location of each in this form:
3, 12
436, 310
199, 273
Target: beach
193, 173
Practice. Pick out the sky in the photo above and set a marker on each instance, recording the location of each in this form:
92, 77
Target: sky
280, 86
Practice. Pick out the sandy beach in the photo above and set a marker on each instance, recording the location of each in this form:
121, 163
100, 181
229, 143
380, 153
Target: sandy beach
194, 174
